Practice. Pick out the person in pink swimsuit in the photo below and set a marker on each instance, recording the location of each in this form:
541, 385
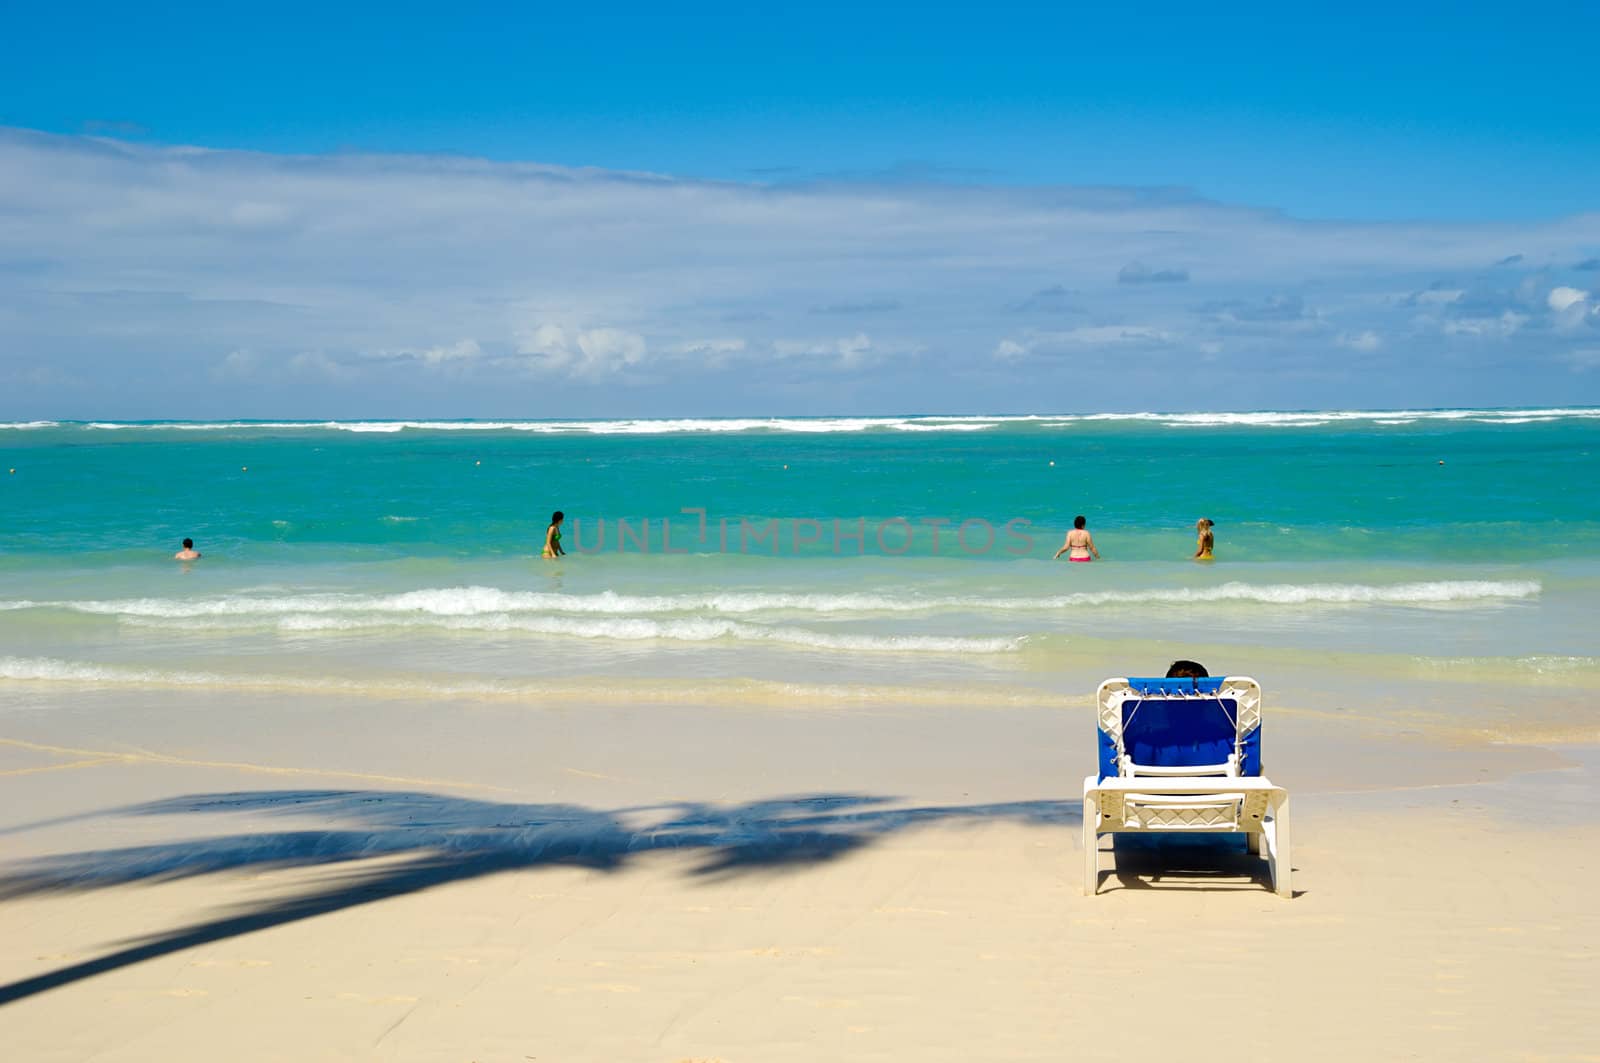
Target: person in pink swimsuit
1080, 544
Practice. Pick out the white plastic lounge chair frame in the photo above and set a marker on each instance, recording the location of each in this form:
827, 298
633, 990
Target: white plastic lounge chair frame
1253, 807
1210, 798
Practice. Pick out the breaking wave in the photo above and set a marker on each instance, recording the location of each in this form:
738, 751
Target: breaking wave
635, 629
465, 602
813, 425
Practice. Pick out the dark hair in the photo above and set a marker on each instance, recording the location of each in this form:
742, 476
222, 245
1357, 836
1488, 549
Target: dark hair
188, 544
557, 517
1187, 670
1078, 522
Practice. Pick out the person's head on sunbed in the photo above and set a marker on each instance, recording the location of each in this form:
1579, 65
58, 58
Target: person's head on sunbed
1187, 670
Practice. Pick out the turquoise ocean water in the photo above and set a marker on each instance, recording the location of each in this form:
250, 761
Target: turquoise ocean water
909, 561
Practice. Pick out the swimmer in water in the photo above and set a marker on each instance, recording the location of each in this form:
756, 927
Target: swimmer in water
552, 536
188, 553
1079, 542
1187, 670
1204, 540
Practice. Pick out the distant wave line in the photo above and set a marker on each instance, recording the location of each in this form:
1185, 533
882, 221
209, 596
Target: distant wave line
905, 423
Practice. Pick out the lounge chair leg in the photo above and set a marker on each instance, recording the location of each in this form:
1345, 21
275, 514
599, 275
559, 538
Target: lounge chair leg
1252, 843
1281, 852
1091, 846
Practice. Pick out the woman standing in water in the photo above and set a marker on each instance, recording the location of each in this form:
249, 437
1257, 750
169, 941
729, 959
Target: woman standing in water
1204, 540
552, 536
1079, 542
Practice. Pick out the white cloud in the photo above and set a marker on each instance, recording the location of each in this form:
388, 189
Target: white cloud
846, 352
732, 345
459, 351
382, 266
1437, 296
1500, 327
317, 363
1087, 337
455, 355
1563, 298
236, 365
1365, 341
1574, 308
1102, 335
711, 353
583, 353
1139, 273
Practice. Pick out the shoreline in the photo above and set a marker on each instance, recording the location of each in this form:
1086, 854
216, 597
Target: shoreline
512, 742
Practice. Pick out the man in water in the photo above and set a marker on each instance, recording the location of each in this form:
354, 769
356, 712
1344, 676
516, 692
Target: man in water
188, 553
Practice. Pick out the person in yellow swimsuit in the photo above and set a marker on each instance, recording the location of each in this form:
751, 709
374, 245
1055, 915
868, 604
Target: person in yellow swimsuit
1204, 539
552, 535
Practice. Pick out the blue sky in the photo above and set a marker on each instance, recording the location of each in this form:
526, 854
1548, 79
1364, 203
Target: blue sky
415, 210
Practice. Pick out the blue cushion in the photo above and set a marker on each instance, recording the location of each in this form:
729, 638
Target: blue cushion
1176, 732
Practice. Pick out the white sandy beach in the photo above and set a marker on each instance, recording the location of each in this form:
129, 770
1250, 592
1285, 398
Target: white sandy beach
539, 533
498, 882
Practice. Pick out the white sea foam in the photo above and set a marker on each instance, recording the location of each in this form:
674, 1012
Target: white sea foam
619, 427
484, 601
634, 629
1422, 593
23, 426
49, 669
486, 609
946, 426
597, 689
1513, 420
1538, 664
200, 426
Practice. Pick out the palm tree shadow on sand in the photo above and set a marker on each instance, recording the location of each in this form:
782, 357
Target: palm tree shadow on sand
430, 840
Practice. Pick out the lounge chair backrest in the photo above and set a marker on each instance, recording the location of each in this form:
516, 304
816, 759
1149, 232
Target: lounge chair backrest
1179, 726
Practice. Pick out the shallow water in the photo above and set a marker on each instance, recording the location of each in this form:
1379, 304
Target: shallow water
397, 559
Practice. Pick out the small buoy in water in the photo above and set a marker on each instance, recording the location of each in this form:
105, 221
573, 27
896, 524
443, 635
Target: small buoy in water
477, 463
244, 468
13, 472
1052, 464
786, 466
1441, 461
